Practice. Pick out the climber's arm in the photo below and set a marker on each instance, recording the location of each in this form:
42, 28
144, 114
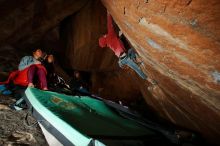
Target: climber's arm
110, 26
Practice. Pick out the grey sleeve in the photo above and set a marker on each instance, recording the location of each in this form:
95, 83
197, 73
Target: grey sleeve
25, 62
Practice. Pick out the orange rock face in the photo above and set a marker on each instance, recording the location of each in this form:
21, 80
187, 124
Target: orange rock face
179, 42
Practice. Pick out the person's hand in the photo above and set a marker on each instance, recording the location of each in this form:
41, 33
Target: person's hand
37, 62
152, 81
120, 33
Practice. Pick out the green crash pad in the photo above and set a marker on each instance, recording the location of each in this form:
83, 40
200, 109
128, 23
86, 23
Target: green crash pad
80, 118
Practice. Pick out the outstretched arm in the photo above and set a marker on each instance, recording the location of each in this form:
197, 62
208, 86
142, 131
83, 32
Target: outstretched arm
111, 30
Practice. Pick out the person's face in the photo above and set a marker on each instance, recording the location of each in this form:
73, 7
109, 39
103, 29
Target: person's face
38, 53
50, 58
77, 75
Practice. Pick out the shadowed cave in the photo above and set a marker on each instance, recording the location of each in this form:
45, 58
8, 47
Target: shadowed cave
177, 41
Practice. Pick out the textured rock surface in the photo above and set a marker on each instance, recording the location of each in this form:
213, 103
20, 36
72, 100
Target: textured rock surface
116, 85
9, 58
13, 129
25, 23
179, 44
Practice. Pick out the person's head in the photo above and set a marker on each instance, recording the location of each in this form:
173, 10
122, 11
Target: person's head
50, 58
76, 74
102, 41
37, 53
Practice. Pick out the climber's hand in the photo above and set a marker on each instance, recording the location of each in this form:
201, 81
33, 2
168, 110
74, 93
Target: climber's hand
120, 33
153, 82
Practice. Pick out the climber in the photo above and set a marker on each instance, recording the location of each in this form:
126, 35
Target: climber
112, 41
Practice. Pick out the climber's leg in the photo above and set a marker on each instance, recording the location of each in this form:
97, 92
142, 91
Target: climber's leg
129, 62
132, 54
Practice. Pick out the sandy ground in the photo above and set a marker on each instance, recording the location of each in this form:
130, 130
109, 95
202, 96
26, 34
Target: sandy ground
14, 131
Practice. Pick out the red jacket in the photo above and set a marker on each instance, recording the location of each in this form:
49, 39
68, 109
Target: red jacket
111, 39
21, 77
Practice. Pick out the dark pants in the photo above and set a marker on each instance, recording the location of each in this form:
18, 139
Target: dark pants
40, 73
